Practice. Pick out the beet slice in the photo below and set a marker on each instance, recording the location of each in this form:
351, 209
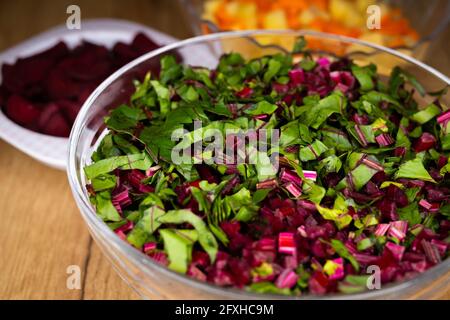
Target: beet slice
22, 111
3, 96
52, 122
57, 126
60, 86
86, 68
142, 44
123, 54
70, 109
33, 70
11, 82
56, 52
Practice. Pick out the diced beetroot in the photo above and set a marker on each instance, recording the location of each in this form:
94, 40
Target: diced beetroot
3, 96
245, 93
388, 209
160, 257
10, 81
143, 44
442, 161
52, 122
59, 86
297, 76
396, 194
56, 52
318, 283
123, 53
425, 142
360, 119
280, 88
240, 272
196, 273
89, 68
22, 111
70, 109
399, 151
33, 70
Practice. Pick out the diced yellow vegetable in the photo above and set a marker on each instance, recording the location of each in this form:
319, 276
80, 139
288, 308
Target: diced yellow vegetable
210, 8
347, 13
248, 15
275, 19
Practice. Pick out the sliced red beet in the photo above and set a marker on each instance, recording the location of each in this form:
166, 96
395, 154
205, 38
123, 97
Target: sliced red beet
3, 96
425, 142
52, 122
22, 111
10, 81
142, 44
33, 70
89, 62
56, 52
70, 109
59, 86
123, 54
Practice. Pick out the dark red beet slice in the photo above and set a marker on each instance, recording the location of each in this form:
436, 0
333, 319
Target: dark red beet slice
10, 81
89, 48
59, 86
33, 70
425, 142
52, 122
142, 44
22, 111
57, 126
86, 68
70, 109
3, 96
56, 52
123, 54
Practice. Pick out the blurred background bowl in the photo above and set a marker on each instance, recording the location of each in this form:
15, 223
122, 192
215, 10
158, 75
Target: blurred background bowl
413, 27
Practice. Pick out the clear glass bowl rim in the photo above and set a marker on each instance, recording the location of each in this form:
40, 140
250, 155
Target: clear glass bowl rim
145, 264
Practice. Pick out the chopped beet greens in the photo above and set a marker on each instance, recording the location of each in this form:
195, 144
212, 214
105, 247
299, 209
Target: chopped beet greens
362, 177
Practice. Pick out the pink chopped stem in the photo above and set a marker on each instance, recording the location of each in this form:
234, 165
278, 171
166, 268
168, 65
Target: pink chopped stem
286, 243
444, 117
361, 136
381, 229
431, 251
290, 176
312, 175
293, 189
149, 246
287, 279
372, 164
302, 231
150, 172
432, 207
384, 140
268, 184
126, 227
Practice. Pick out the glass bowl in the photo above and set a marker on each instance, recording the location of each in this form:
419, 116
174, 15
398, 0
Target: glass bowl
151, 280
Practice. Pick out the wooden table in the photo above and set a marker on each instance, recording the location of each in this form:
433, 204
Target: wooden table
41, 230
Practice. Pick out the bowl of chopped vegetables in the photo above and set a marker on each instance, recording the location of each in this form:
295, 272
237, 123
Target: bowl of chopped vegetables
251, 171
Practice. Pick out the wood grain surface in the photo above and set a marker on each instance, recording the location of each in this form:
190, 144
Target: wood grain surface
41, 230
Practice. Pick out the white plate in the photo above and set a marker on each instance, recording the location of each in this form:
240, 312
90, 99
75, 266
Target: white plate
50, 150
